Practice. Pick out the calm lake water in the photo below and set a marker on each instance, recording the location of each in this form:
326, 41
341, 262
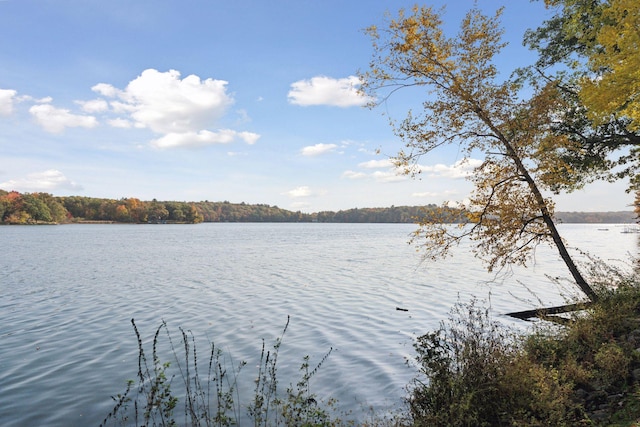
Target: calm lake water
69, 292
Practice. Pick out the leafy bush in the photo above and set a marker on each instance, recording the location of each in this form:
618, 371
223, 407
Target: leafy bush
476, 375
479, 373
463, 362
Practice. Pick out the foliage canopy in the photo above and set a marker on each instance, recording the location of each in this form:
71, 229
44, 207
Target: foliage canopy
590, 51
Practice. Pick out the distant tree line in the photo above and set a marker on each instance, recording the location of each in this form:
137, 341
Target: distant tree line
43, 208
622, 217
394, 214
243, 212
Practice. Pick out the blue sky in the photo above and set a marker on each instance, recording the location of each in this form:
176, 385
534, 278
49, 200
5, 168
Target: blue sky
245, 100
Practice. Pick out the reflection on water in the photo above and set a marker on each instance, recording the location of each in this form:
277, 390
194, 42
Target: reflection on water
69, 292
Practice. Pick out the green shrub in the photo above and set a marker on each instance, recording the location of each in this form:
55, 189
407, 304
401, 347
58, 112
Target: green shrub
463, 363
476, 372
612, 362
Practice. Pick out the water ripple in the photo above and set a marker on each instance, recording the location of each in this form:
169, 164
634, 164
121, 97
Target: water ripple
67, 344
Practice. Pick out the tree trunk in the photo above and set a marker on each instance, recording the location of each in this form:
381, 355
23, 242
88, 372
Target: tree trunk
551, 226
577, 276
544, 210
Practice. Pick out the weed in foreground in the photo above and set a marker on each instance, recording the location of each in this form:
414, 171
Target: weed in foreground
214, 399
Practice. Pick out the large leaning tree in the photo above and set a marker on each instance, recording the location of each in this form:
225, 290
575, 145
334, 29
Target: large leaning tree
467, 105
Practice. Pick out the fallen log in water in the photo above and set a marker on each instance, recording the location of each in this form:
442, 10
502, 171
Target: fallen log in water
550, 313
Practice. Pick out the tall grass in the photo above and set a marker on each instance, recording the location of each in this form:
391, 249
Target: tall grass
213, 398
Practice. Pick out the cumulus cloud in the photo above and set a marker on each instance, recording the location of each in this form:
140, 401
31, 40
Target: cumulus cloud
425, 194
377, 164
46, 181
120, 123
466, 202
302, 191
321, 90
6, 101
181, 110
353, 174
55, 120
387, 171
388, 176
318, 149
431, 194
460, 169
202, 138
105, 89
167, 104
94, 106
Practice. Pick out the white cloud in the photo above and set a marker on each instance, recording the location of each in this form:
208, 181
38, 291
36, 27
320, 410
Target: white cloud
389, 173
249, 137
460, 169
456, 204
316, 150
105, 89
388, 176
167, 104
46, 181
353, 174
181, 111
434, 194
203, 138
123, 108
55, 120
6, 101
302, 191
377, 164
425, 194
321, 90
120, 123
94, 106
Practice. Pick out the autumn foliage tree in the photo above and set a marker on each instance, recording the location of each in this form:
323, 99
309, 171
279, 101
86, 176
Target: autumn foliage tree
30, 208
466, 105
590, 51
614, 89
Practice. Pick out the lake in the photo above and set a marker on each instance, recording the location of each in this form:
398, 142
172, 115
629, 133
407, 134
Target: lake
69, 292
